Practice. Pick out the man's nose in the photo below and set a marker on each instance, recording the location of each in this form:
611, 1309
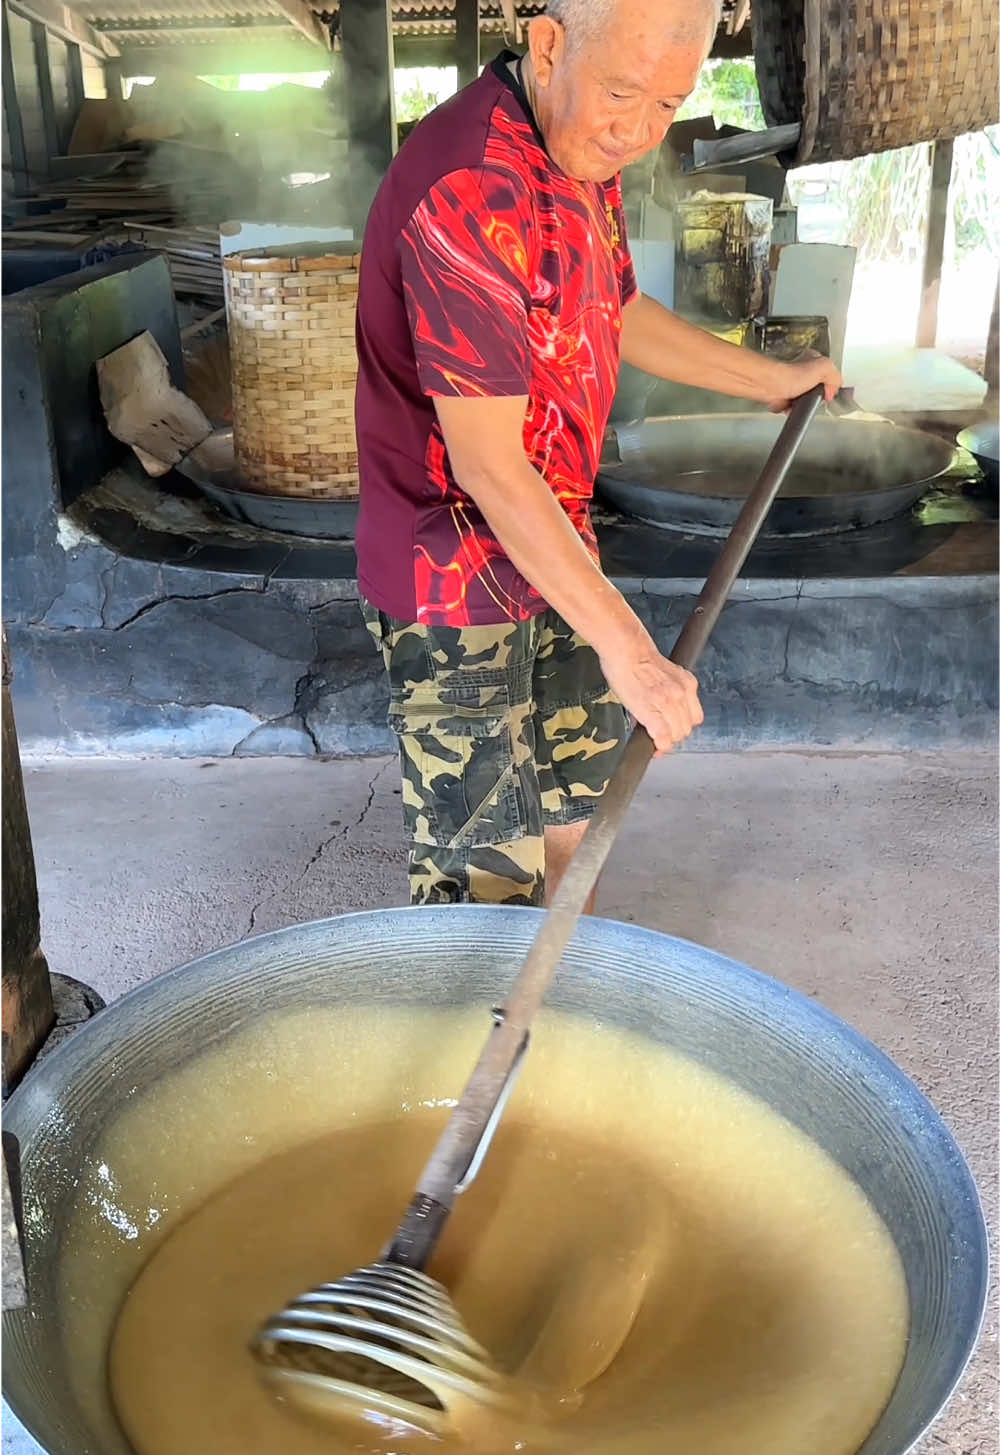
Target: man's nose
640, 131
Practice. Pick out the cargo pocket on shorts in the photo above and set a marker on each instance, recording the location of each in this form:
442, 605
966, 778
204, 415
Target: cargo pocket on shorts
460, 783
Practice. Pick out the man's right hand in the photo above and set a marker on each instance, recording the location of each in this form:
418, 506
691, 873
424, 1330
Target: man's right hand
485, 443
658, 694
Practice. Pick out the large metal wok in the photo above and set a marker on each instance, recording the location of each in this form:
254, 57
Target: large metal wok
212, 468
812, 1067
692, 472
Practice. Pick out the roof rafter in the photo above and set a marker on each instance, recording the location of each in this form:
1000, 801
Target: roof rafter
305, 20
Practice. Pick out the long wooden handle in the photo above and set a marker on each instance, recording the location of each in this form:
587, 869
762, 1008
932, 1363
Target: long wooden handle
436, 1189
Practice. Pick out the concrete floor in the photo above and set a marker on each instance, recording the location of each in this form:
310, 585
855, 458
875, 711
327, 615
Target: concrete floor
867, 881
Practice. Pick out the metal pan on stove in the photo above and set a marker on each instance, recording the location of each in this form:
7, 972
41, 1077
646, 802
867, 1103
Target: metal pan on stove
692, 472
212, 468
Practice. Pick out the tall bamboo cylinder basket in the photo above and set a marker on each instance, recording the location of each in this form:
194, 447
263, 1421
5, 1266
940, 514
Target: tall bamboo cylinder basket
291, 318
872, 75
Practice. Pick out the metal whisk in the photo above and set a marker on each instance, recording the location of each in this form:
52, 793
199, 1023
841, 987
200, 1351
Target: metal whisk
387, 1338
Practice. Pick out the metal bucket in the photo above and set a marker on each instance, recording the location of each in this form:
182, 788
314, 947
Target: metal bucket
981, 440
814, 1069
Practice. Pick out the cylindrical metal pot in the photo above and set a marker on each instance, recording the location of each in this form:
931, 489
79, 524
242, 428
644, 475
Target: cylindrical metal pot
811, 1067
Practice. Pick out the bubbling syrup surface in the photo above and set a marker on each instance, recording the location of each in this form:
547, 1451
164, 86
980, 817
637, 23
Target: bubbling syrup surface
664, 1264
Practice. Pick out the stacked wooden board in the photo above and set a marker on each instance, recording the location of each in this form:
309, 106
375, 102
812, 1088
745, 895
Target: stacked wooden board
193, 255
166, 196
164, 169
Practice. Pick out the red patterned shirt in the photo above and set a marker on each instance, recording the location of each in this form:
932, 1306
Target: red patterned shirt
486, 271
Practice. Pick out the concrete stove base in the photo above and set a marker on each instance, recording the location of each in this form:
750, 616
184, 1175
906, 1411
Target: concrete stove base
194, 663
142, 621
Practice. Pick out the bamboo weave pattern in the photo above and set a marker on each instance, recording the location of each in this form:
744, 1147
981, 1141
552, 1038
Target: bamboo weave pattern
291, 320
871, 75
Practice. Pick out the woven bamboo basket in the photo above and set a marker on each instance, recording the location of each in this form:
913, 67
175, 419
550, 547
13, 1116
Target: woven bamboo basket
291, 319
871, 75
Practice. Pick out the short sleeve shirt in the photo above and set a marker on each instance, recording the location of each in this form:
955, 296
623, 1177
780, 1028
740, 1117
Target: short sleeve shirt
485, 272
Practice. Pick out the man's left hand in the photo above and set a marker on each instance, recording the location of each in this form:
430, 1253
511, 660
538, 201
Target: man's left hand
802, 376
658, 342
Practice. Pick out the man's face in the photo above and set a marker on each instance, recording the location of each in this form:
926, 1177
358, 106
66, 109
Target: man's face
604, 103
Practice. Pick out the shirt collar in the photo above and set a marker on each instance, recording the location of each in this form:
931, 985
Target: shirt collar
501, 67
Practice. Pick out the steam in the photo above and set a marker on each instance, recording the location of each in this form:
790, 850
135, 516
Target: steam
278, 156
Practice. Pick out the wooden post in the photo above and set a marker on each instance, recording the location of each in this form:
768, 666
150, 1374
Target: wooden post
74, 67
27, 1008
366, 29
512, 25
40, 37
938, 212
113, 79
12, 116
467, 40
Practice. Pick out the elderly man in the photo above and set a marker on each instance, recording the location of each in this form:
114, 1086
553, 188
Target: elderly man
496, 299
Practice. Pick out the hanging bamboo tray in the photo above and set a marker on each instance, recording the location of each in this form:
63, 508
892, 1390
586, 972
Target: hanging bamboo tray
872, 75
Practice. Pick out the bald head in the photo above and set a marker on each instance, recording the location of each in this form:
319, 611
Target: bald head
607, 76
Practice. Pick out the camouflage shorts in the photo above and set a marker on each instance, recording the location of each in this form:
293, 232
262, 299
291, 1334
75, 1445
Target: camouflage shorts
503, 731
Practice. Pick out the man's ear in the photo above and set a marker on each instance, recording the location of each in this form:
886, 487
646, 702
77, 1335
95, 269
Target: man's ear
547, 41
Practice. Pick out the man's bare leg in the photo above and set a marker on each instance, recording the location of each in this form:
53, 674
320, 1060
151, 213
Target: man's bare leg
561, 841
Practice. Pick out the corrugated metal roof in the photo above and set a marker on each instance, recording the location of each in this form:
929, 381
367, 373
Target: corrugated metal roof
127, 11
180, 22
159, 22
184, 22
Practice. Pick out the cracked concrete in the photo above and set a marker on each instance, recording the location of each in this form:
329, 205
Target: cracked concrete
262, 666
185, 596
868, 881
341, 832
247, 645
792, 623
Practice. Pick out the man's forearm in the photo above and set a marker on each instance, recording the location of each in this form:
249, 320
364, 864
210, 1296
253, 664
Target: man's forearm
539, 539
659, 342
484, 439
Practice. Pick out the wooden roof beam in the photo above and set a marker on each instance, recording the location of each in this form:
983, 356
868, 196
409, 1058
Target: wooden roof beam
67, 24
305, 20
512, 25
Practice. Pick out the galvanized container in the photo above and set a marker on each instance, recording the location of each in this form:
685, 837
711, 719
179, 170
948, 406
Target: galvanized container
722, 251
778, 1045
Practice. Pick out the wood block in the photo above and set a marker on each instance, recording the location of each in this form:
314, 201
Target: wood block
143, 408
150, 463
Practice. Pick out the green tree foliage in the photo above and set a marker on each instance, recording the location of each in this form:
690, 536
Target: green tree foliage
416, 99
882, 200
976, 191
727, 90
